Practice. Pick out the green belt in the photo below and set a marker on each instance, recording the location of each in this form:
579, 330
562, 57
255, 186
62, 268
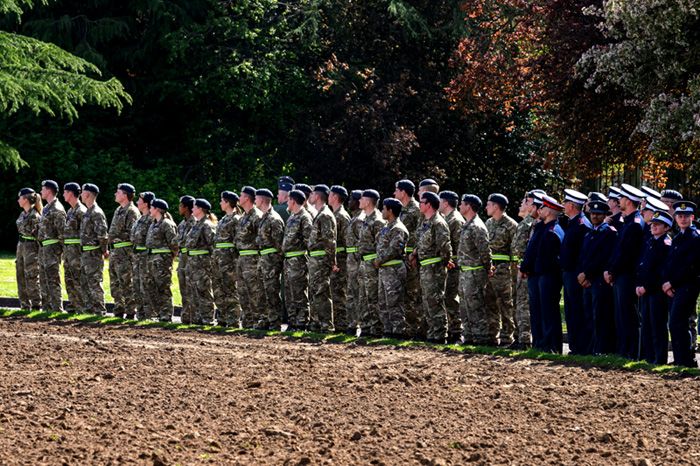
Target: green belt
432, 260
515, 258
467, 268
248, 252
340, 249
182, 250
500, 257
197, 252
408, 250
224, 245
369, 257
265, 252
71, 241
294, 254
27, 238
122, 244
159, 251
392, 263
351, 249
49, 242
317, 253
140, 248
90, 248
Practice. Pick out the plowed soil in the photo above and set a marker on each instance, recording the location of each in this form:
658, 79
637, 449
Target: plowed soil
88, 394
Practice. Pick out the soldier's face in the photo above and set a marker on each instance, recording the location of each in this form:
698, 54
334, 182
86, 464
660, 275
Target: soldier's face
684, 220
613, 203
153, 211
197, 212
597, 218
46, 193
85, 196
282, 196
490, 208
119, 196
182, 209
658, 228
463, 208
22, 201
68, 196
312, 198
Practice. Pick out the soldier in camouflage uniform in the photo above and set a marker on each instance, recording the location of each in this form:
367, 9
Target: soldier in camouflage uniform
391, 242
269, 241
183, 229
142, 280
370, 324
249, 286
500, 293
93, 244
161, 242
296, 237
122, 252
71, 246
226, 263
352, 238
50, 236
479, 322
410, 217
433, 253
284, 186
339, 278
200, 270
306, 189
27, 263
448, 208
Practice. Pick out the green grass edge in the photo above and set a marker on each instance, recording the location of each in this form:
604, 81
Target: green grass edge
604, 362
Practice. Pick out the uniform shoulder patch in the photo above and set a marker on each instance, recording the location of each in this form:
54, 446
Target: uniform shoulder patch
667, 241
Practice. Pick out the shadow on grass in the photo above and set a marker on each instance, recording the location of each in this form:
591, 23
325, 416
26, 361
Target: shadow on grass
611, 362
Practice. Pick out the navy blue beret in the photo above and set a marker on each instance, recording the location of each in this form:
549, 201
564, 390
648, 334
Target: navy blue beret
51, 184
407, 186
202, 203
187, 201
72, 187
229, 196
322, 188
147, 197
473, 200
499, 199
25, 191
371, 193
298, 196
305, 188
286, 179
264, 192
449, 196
432, 198
340, 191
393, 204
284, 186
356, 194
91, 188
427, 182
127, 188
159, 204
249, 190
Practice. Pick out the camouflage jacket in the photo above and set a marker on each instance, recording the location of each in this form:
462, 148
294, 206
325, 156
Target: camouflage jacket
247, 229
352, 234
411, 217
140, 230
474, 250
342, 222
28, 223
369, 229
226, 228
122, 222
297, 231
323, 232
93, 228
74, 217
271, 231
434, 239
183, 229
53, 221
521, 237
454, 221
391, 241
162, 235
501, 234
201, 235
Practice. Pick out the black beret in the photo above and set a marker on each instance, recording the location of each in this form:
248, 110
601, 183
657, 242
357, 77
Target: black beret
91, 188
449, 196
305, 188
340, 191
229, 196
671, 194
187, 201
356, 194
148, 197
393, 204
51, 184
202, 203
430, 197
25, 191
499, 199
284, 186
322, 188
407, 186
371, 193
286, 179
264, 192
427, 182
72, 187
127, 188
249, 190
159, 204
472, 199
298, 196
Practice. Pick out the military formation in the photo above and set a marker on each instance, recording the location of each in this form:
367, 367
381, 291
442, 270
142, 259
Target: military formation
422, 264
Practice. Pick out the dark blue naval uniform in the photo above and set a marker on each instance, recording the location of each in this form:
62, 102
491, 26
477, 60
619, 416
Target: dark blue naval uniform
682, 272
654, 303
623, 267
579, 325
527, 266
598, 302
616, 221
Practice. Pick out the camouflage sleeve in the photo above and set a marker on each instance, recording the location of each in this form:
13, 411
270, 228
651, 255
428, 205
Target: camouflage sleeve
33, 225
208, 233
277, 234
101, 230
131, 216
59, 223
511, 237
443, 241
170, 234
481, 240
328, 234
397, 244
305, 227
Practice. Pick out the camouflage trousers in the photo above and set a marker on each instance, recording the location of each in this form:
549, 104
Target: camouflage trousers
270, 272
250, 292
185, 293
50, 258
296, 291
392, 312
27, 268
225, 284
415, 319
522, 311
120, 281
433, 278
454, 323
91, 268
143, 285
352, 293
198, 276
71, 275
500, 298
339, 284
479, 322
160, 270
368, 309
320, 303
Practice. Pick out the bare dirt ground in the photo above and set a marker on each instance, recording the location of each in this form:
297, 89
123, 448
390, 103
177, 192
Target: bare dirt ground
83, 394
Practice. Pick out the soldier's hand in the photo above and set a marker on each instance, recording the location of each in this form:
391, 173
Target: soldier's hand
581, 278
376, 263
336, 269
523, 275
451, 265
640, 290
412, 261
586, 284
608, 277
106, 254
492, 271
668, 289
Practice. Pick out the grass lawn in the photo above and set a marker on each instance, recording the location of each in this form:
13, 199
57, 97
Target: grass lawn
8, 281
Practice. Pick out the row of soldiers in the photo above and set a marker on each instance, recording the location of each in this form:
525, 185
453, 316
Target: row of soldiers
430, 269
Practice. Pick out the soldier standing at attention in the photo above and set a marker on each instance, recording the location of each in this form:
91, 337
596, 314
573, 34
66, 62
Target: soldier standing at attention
183, 228
670, 197
121, 257
368, 315
50, 236
479, 322
28, 272
448, 209
71, 246
270, 237
284, 186
579, 325
339, 278
250, 290
391, 242
296, 272
306, 189
433, 253
500, 290
321, 248
161, 242
200, 268
142, 279
352, 238
93, 244
615, 218
225, 263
